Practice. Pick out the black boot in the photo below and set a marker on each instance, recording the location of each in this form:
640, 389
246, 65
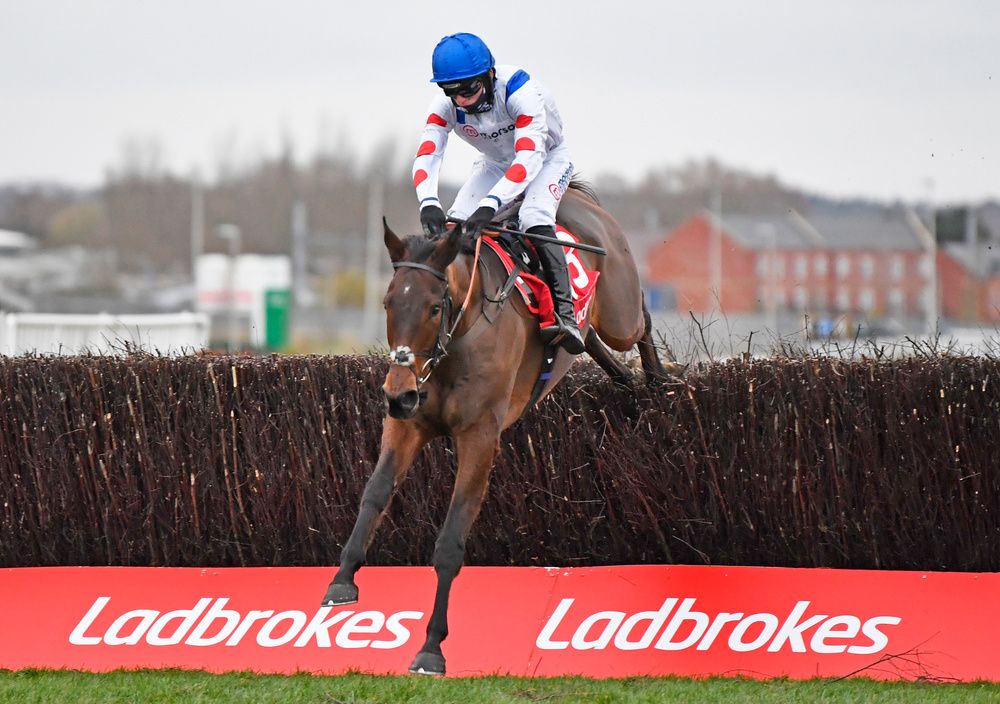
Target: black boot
565, 331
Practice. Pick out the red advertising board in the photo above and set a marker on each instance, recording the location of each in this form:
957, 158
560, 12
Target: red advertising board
599, 622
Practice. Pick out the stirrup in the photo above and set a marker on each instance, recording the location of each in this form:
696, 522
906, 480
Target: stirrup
565, 336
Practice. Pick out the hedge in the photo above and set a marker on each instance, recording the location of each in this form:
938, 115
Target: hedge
227, 461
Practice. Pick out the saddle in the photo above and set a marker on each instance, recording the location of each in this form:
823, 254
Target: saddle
524, 274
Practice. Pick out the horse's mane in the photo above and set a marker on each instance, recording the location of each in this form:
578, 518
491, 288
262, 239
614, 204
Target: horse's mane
419, 247
578, 184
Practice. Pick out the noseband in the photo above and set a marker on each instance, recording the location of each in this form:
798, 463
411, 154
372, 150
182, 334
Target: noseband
403, 355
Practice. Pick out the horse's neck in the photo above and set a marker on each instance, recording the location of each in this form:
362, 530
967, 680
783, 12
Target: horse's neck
460, 272
459, 275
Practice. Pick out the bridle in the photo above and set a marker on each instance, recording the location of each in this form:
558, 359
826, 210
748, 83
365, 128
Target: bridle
403, 356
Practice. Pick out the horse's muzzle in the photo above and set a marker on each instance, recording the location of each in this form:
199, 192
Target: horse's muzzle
402, 406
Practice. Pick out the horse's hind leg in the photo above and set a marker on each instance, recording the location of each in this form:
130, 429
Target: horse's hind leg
400, 443
477, 447
651, 364
619, 373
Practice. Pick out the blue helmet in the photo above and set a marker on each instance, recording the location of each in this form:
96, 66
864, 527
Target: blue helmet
460, 56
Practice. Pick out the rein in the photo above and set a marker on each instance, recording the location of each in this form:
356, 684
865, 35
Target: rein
405, 357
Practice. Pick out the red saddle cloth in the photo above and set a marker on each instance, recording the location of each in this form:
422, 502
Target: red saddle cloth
535, 291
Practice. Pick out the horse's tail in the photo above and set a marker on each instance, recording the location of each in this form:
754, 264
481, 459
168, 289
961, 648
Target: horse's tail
578, 184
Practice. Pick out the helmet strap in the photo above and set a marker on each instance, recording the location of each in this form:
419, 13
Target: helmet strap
485, 102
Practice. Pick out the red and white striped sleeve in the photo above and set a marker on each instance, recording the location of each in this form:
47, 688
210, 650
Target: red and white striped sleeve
531, 132
433, 139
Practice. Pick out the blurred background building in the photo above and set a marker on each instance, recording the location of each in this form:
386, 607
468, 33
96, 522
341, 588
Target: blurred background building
283, 257
787, 173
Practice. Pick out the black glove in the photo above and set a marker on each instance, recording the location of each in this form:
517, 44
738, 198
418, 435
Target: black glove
432, 219
479, 221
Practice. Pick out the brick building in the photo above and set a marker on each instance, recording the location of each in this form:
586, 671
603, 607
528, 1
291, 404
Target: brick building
872, 264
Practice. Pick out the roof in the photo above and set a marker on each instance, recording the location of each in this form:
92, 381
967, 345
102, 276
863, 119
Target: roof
883, 230
865, 230
758, 232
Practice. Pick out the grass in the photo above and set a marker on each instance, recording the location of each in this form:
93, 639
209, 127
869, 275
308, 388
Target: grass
169, 686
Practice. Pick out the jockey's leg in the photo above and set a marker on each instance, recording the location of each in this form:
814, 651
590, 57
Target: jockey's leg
482, 178
557, 276
538, 216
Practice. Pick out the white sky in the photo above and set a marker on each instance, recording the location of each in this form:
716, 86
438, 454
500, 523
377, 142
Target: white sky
855, 97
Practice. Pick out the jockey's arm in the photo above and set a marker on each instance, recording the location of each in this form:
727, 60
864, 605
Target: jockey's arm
433, 139
531, 133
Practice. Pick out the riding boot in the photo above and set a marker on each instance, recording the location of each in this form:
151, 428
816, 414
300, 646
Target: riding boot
564, 331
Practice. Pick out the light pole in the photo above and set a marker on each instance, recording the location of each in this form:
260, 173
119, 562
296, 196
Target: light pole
715, 247
928, 241
234, 236
373, 258
197, 222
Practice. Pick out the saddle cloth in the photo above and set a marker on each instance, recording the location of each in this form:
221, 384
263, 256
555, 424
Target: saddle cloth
535, 291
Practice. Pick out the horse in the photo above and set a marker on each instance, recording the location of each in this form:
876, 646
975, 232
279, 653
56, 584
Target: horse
470, 371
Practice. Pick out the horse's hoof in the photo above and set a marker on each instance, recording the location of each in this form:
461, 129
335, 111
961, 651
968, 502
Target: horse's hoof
340, 594
428, 664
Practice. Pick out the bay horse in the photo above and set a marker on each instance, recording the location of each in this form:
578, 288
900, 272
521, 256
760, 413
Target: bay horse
470, 372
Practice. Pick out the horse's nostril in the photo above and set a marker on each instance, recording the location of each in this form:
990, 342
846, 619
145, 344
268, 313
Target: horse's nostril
402, 406
409, 400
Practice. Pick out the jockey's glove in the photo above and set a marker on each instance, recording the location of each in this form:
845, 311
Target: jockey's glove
479, 221
432, 219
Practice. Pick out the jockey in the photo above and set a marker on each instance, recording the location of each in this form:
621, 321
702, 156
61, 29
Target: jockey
512, 120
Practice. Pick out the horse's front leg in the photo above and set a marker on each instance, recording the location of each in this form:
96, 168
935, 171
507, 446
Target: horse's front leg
477, 448
401, 441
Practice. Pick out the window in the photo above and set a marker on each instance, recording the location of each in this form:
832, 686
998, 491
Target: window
897, 300
927, 301
801, 267
868, 266
820, 264
801, 297
897, 267
866, 300
763, 265
843, 298
779, 266
843, 266
926, 266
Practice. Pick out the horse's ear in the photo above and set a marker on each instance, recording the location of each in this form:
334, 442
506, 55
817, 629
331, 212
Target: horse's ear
447, 247
397, 250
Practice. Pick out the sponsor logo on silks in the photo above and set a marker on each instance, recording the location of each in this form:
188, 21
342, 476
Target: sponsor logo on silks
470, 131
555, 190
209, 623
741, 633
497, 134
564, 179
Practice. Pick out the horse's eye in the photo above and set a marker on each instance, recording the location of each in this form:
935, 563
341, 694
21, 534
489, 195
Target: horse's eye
435, 309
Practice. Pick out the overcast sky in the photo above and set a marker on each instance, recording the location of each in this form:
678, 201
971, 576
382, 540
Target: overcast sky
849, 98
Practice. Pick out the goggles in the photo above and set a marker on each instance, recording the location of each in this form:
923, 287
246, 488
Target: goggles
464, 89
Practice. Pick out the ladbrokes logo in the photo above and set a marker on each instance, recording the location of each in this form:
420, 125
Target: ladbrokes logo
685, 628
209, 623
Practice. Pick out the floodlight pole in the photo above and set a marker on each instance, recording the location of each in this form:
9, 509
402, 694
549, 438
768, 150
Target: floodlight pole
373, 259
234, 236
715, 247
928, 240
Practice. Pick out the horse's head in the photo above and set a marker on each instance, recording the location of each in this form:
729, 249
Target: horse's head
418, 306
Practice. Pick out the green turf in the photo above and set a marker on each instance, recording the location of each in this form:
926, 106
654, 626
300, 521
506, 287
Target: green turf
169, 686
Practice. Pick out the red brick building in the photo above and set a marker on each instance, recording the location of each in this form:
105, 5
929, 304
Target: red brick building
870, 264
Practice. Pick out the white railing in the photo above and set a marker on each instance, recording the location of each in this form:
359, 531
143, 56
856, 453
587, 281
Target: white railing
48, 333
